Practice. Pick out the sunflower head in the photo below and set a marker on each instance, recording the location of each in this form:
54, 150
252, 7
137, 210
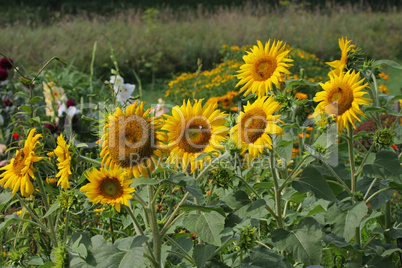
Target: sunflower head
131, 140
256, 124
192, 130
17, 174
263, 67
64, 162
108, 186
340, 65
341, 98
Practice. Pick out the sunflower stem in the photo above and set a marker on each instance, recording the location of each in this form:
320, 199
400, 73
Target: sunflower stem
278, 197
47, 206
270, 210
136, 224
156, 236
338, 178
294, 173
140, 200
351, 159
169, 221
66, 227
33, 215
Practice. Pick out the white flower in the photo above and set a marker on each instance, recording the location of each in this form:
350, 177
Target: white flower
116, 81
123, 93
70, 111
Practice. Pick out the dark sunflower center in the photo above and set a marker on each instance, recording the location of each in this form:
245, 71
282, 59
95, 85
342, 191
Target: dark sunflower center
339, 101
132, 140
19, 161
111, 188
265, 68
196, 136
253, 125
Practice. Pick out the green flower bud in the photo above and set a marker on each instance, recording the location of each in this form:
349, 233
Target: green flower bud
60, 257
223, 177
67, 199
383, 138
248, 238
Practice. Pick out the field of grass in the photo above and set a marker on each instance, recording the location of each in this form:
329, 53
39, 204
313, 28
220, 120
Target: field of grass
159, 43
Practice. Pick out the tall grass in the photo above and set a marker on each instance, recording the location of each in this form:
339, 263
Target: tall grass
161, 42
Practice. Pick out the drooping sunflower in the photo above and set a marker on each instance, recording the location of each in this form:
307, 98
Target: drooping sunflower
16, 174
255, 124
108, 186
341, 98
132, 140
263, 67
192, 130
64, 162
340, 65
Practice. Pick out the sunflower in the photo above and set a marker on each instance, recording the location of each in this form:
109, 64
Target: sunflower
64, 165
341, 64
255, 124
132, 140
16, 174
193, 130
108, 187
341, 98
263, 67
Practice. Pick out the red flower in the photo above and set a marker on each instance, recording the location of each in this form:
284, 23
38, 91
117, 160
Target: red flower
7, 102
3, 74
70, 103
16, 136
5, 64
52, 128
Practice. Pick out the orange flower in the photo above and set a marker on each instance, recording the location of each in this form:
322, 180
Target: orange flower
301, 135
301, 96
383, 75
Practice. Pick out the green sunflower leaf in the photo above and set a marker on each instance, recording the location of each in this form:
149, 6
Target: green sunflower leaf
391, 63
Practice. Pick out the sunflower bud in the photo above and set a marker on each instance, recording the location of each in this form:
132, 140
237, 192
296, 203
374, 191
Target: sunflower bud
67, 200
60, 257
248, 238
383, 138
223, 178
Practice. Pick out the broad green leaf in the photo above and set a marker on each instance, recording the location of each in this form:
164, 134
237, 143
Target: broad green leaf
237, 199
5, 197
204, 154
375, 109
35, 260
26, 108
345, 221
35, 99
303, 243
386, 166
252, 209
191, 207
391, 63
394, 233
380, 199
8, 220
129, 243
207, 226
262, 257
297, 82
312, 181
196, 192
145, 181
202, 253
52, 209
